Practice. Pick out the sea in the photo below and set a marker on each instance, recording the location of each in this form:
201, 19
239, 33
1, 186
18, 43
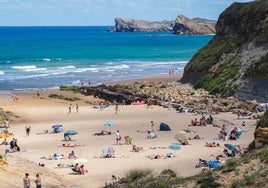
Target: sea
34, 58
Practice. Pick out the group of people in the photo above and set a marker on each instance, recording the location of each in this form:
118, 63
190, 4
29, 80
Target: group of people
71, 106
13, 146
79, 169
27, 181
203, 121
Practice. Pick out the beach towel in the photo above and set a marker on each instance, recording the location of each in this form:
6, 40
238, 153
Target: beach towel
213, 164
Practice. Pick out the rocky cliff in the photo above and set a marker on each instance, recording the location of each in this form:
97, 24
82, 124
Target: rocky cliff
235, 62
133, 25
184, 25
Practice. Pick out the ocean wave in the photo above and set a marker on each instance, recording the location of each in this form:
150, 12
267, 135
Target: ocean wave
2, 72
24, 67
67, 67
35, 70
46, 59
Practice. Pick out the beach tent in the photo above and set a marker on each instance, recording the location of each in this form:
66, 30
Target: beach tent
57, 128
164, 127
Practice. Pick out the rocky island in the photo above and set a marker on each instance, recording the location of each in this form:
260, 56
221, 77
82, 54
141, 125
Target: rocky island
133, 25
182, 25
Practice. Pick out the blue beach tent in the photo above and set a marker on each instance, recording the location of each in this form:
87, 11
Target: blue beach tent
164, 127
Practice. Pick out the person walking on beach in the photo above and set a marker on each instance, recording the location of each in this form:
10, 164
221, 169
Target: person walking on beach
26, 181
116, 108
38, 94
28, 130
70, 108
152, 126
117, 137
37, 181
77, 107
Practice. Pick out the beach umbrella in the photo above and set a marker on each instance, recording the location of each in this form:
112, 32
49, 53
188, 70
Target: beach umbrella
181, 135
56, 126
80, 161
231, 147
109, 123
71, 132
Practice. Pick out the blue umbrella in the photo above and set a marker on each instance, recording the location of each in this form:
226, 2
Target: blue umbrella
71, 132
232, 148
56, 126
109, 123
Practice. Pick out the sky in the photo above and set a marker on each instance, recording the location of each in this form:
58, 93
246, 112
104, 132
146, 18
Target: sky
103, 12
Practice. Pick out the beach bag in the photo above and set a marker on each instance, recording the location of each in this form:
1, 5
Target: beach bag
120, 137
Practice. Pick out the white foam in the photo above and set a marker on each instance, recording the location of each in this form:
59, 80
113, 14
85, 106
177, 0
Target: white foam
24, 67
2, 72
67, 67
35, 70
46, 59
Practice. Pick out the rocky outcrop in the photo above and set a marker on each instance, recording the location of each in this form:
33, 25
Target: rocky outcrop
170, 94
184, 25
133, 25
234, 63
261, 133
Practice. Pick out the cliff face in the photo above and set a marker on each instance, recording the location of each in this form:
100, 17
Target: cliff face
133, 25
184, 25
235, 62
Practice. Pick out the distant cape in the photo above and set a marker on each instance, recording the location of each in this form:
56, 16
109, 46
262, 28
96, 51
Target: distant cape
182, 25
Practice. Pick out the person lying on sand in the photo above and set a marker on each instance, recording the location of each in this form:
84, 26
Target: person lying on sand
4, 142
102, 132
136, 148
70, 145
183, 141
196, 137
157, 156
213, 144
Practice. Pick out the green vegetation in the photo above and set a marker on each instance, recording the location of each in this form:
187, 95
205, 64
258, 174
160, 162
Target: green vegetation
4, 115
252, 166
258, 68
217, 66
56, 96
222, 80
74, 89
264, 120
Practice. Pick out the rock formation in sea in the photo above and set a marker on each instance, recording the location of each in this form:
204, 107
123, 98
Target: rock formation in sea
184, 25
134, 25
235, 62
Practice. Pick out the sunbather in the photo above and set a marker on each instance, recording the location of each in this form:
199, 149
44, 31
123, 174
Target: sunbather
136, 148
213, 144
102, 132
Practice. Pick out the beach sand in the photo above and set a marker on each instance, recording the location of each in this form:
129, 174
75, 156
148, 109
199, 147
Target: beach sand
131, 120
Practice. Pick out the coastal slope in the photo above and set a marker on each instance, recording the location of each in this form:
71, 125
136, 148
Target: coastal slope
235, 60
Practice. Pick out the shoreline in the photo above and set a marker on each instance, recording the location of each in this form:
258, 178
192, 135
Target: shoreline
168, 78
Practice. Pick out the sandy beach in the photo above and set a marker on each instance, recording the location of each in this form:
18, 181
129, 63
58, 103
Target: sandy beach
132, 120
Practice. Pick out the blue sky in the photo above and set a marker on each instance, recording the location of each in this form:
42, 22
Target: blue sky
103, 12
